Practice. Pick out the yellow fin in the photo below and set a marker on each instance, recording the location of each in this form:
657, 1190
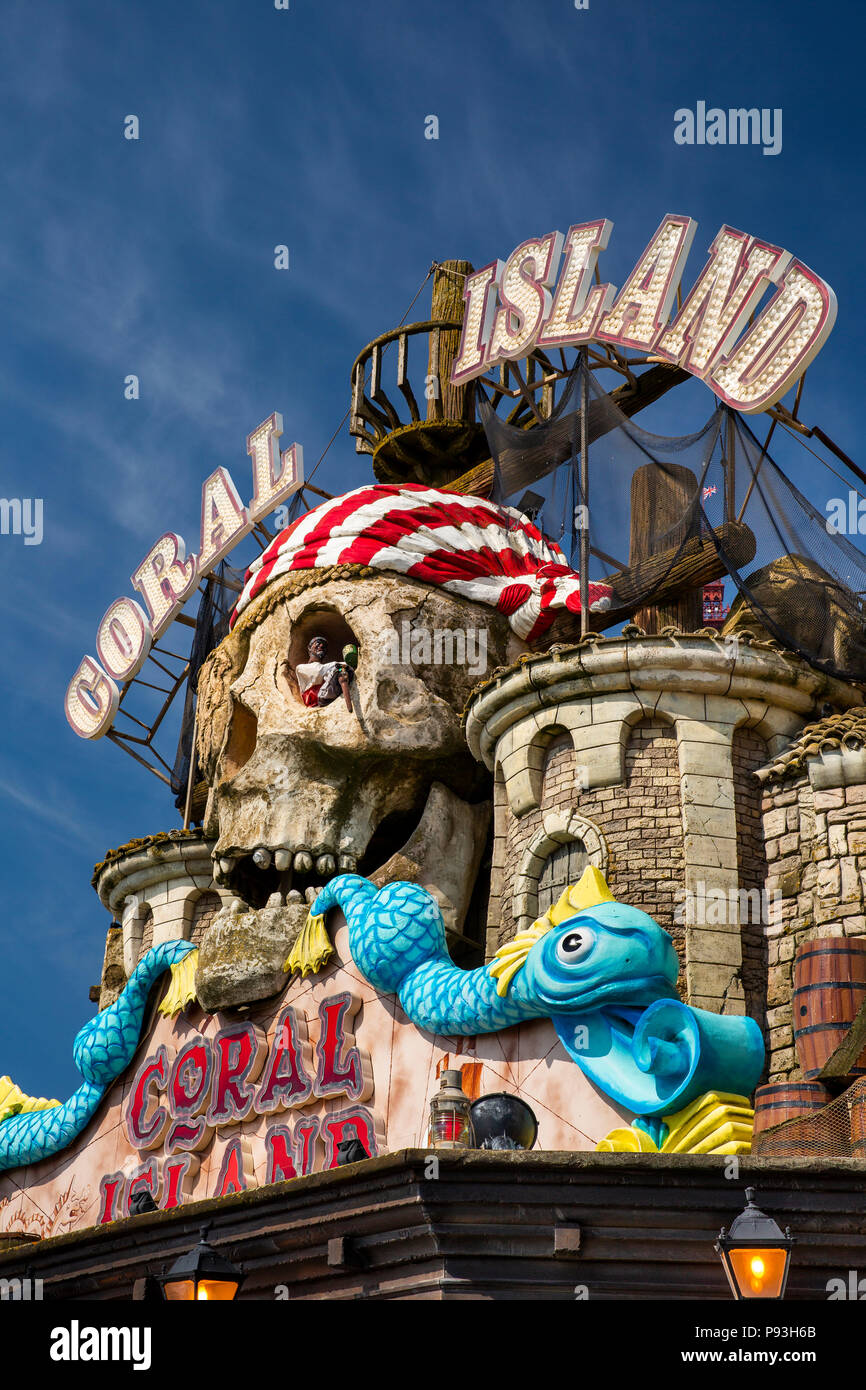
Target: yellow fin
512, 956
626, 1141
14, 1101
312, 949
181, 991
711, 1124
591, 890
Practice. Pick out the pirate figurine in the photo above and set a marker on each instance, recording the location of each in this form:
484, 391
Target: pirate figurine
319, 680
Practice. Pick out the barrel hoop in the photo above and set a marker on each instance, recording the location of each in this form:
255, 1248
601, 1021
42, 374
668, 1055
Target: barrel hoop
831, 984
831, 951
820, 1028
786, 1105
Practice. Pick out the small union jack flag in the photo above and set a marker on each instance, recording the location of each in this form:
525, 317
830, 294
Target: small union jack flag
708, 492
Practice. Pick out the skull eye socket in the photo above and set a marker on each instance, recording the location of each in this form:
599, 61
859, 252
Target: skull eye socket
575, 945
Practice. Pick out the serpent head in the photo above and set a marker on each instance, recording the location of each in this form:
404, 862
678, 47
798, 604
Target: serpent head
611, 954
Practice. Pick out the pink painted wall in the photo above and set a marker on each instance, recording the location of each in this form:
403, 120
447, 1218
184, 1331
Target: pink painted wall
63, 1193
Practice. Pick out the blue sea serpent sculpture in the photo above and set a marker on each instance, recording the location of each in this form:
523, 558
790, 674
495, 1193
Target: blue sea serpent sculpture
603, 972
103, 1048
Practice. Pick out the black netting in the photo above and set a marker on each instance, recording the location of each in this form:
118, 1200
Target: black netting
211, 626
669, 515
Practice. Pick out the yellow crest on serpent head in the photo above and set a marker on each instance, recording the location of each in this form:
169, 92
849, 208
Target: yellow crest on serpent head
588, 892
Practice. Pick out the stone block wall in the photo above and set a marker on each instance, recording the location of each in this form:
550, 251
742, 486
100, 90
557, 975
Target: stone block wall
152, 887
816, 880
666, 734
748, 753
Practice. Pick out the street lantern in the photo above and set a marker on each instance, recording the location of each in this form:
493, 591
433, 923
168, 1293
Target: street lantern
755, 1254
202, 1275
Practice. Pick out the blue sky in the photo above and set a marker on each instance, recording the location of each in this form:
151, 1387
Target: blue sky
155, 257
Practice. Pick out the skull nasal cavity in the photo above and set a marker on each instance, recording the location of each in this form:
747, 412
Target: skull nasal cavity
242, 739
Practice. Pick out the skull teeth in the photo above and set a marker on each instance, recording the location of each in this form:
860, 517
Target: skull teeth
262, 858
348, 863
303, 862
282, 860
325, 865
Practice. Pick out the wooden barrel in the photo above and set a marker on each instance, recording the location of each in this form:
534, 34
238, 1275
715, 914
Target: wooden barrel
787, 1100
829, 987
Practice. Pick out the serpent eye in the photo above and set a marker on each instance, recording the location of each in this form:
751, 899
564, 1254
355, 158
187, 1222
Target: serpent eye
575, 945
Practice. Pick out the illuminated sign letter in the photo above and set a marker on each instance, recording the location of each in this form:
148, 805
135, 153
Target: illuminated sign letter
91, 700
643, 304
780, 344
524, 294
479, 294
579, 304
718, 306
123, 639
224, 520
275, 476
166, 579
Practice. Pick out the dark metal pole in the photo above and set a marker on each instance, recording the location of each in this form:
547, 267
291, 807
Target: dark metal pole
584, 498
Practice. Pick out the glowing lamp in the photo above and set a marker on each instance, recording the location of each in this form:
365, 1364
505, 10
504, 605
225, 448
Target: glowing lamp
755, 1254
202, 1275
450, 1121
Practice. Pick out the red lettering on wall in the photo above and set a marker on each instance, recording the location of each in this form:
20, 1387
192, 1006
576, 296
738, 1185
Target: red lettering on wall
109, 1187
147, 1176
281, 1160
360, 1125
287, 1081
188, 1091
178, 1175
236, 1170
144, 1132
340, 1070
240, 1054
306, 1133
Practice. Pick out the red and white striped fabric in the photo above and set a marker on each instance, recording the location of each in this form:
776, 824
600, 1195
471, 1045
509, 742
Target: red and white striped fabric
467, 545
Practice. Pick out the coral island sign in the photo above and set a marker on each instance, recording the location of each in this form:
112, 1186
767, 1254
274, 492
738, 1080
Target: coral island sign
515, 306
180, 1096
167, 577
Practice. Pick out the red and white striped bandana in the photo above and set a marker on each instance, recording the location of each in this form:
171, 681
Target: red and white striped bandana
467, 545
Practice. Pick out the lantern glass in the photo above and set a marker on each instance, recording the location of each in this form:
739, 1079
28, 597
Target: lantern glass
200, 1290
756, 1254
756, 1273
450, 1121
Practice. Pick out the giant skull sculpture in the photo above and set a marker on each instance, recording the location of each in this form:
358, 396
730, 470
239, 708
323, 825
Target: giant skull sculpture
299, 793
